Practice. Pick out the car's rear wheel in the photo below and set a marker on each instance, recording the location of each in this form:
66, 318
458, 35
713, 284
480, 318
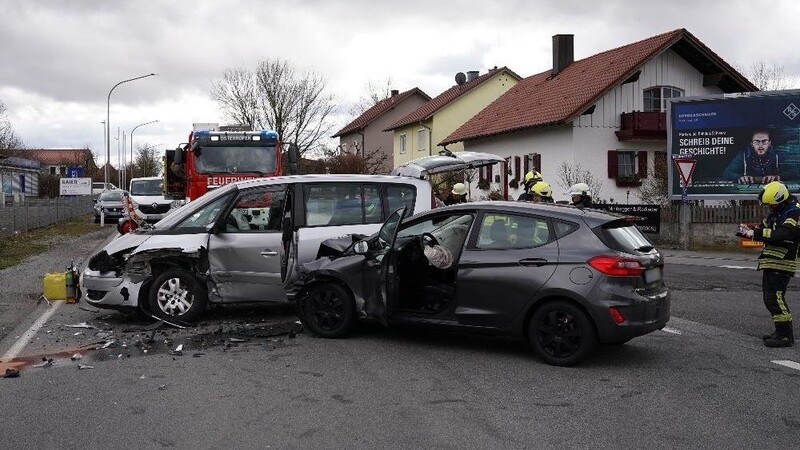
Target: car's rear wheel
177, 294
561, 333
328, 310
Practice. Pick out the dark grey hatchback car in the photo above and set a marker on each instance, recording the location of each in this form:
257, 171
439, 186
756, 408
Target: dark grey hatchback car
564, 278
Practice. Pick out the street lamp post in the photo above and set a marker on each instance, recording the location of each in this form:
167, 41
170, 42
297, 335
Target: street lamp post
108, 118
134, 129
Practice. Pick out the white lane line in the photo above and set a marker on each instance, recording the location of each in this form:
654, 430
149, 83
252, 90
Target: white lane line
788, 363
738, 267
671, 330
28, 335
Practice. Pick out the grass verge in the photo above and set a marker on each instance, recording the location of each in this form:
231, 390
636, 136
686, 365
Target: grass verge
14, 249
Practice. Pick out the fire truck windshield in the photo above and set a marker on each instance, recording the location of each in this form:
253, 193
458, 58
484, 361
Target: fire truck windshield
213, 159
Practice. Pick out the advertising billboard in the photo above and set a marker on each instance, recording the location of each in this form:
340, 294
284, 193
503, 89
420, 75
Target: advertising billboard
739, 142
75, 186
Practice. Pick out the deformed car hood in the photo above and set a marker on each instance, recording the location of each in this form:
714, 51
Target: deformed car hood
125, 242
145, 242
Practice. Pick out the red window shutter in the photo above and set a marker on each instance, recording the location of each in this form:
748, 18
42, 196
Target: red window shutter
537, 162
612, 164
517, 175
489, 175
642, 157
527, 166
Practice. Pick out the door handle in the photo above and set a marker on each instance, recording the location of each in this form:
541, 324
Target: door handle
537, 262
269, 253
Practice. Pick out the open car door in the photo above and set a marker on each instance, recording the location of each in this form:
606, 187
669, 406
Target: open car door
428, 165
379, 303
288, 240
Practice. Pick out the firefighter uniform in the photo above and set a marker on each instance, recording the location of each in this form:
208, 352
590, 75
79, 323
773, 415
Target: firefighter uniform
778, 260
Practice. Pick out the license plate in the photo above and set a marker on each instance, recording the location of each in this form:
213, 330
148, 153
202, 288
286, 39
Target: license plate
652, 275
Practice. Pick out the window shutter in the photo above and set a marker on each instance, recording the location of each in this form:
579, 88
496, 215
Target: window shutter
537, 162
489, 175
612, 164
527, 166
517, 175
642, 157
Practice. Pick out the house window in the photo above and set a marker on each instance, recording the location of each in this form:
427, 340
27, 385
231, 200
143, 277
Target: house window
403, 143
655, 98
422, 139
52, 170
627, 166
62, 170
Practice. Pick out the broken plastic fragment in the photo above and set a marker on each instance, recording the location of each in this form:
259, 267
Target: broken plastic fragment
84, 367
80, 325
178, 351
162, 387
79, 333
108, 344
46, 363
76, 357
237, 339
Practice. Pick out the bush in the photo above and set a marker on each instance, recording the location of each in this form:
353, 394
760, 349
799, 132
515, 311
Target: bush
484, 184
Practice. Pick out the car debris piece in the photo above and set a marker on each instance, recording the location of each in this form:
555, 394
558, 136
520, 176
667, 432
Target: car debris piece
11, 373
178, 351
80, 325
43, 298
47, 363
237, 339
84, 367
76, 357
108, 344
162, 387
79, 333
198, 354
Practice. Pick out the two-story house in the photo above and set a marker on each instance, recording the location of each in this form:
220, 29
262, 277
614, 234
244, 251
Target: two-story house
364, 136
604, 113
58, 161
417, 134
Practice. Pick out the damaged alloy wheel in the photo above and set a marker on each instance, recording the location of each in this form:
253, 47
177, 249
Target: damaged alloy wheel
177, 294
328, 310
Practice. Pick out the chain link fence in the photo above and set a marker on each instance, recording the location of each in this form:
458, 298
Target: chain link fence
37, 213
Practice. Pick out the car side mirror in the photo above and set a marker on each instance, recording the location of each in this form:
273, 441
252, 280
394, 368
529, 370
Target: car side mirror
361, 248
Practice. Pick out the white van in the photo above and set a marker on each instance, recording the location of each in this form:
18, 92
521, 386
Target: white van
243, 241
148, 198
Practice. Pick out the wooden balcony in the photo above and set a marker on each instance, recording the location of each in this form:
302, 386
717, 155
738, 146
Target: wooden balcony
643, 126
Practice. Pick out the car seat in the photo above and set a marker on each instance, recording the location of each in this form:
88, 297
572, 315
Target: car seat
498, 233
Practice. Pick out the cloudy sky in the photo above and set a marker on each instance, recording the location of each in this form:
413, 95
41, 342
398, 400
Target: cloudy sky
60, 58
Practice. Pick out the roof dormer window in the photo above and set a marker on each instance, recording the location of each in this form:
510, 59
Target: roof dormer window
655, 98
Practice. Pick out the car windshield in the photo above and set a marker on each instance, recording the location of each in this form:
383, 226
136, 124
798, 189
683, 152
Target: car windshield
114, 196
261, 160
146, 187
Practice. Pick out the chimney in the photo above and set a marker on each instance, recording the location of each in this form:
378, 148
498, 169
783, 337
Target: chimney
563, 54
471, 75
395, 92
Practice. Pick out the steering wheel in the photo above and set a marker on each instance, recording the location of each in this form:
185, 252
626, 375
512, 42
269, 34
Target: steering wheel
428, 239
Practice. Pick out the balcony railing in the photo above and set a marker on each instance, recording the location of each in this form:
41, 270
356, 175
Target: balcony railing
643, 126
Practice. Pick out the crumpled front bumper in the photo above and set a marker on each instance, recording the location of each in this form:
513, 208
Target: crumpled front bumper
107, 290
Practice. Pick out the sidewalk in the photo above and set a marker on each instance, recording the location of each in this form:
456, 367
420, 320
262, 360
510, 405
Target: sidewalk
22, 284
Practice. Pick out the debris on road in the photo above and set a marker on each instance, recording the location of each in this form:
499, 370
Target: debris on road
80, 325
178, 351
48, 362
11, 373
84, 367
233, 339
76, 357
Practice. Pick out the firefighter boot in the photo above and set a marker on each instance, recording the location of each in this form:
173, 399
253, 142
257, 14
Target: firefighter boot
783, 336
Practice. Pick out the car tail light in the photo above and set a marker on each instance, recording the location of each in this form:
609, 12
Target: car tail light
616, 315
617, 266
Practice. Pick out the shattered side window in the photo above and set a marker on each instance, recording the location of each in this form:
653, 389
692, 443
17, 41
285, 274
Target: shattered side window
206, 215
257, 210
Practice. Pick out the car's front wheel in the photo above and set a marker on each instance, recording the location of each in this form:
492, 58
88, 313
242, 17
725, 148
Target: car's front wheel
177, 294
561, 333
328, 310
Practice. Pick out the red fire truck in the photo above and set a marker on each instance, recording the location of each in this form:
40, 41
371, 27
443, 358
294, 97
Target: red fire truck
215, 158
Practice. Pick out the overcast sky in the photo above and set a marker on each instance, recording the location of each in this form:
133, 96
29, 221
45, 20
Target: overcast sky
60, 58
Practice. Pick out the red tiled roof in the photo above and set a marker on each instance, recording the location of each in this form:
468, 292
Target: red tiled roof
377, 110
541, 100
55, 156
428, 109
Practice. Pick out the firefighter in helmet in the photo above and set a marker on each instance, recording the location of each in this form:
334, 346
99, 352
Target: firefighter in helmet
542, 192
779, 233
531, 178
579, 192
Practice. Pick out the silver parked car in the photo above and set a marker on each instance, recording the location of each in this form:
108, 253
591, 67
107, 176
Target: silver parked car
562, 277
111, 204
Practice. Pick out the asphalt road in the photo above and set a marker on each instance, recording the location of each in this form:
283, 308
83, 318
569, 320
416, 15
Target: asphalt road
245, 378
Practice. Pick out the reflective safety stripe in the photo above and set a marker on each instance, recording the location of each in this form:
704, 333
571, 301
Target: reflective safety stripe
766, 232
790, 222
785, 315
778, 264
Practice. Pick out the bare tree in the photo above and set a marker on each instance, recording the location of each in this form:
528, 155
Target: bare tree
9, 140
768, 76
569, 174
277, 97
374, 92
654, 188
146, 163
371, 162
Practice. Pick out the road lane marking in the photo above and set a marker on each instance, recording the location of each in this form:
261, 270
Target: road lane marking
28, 335
737, 267
671, 330
787, 363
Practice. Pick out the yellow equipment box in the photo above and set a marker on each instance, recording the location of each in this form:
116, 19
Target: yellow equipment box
55, 286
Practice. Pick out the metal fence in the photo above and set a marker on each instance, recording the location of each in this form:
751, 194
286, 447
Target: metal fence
37, 212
